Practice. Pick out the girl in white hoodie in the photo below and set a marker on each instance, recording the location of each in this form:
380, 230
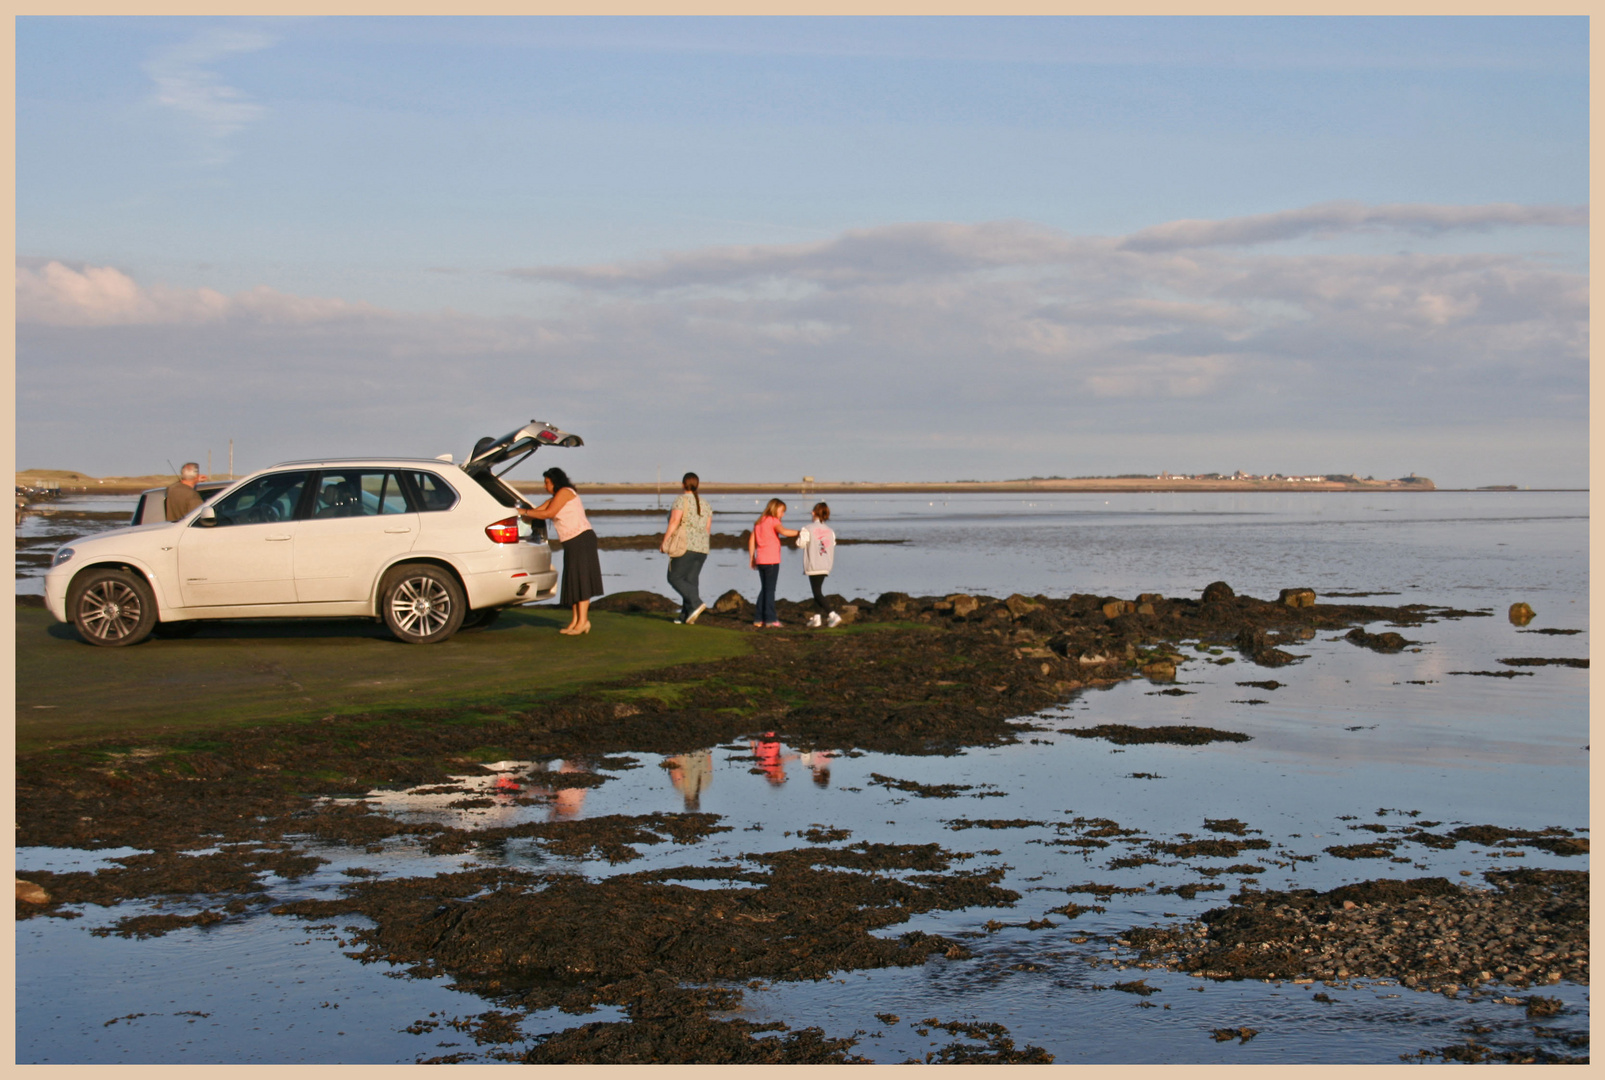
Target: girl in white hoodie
818, 542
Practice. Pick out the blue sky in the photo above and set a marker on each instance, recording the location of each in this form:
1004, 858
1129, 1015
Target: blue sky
769, 247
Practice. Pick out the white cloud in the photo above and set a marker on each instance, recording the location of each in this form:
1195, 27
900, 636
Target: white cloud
852, 350
55, 294
1335, 217
187, 82
888, 253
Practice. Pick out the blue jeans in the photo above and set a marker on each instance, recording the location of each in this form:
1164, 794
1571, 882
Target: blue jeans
684, 570
768, 578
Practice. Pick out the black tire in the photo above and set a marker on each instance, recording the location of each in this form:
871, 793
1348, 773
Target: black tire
183, 629
421, 604
476, 621
111, 607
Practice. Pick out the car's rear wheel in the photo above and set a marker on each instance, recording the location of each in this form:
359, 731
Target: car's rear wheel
479, 620
421, 604
111, 607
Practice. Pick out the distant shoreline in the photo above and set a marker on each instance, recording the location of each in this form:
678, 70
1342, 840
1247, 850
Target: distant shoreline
1091, 486
69, 482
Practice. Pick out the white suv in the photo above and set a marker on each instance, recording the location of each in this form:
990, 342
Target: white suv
426, 546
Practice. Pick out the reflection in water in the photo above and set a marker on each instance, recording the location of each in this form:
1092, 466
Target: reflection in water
691, 774
819, 762
771, 759
566, 802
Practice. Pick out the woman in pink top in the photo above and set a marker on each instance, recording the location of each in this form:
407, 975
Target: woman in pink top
582, 570
763, 555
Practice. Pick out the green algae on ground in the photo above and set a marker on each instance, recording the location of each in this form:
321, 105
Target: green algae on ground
281, 671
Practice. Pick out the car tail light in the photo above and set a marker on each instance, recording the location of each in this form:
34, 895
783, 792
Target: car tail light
504, 531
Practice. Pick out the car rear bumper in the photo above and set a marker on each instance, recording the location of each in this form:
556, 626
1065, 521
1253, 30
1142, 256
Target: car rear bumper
501, 588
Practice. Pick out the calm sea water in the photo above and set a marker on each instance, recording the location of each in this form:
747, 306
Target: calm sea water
1353, 737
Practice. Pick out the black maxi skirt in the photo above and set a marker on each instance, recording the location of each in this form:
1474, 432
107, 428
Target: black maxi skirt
582, 570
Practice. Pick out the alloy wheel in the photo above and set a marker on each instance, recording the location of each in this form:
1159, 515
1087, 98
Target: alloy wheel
110, 610
420, 606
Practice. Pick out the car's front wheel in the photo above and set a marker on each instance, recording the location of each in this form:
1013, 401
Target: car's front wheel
421, 604
111, 607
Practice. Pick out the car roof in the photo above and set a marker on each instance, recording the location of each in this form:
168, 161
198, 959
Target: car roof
437, 463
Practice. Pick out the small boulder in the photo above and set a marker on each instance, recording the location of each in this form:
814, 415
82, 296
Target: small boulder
1521, 614
1019, 605
1217, 590
29, 893
849, 613
1149, 598
1387, 642
1145, 608
1160, 671
963, 604
1114, 608
731, 603
636, 601
1297, 598
895, 603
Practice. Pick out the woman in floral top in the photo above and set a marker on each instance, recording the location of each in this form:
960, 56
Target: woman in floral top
695, 516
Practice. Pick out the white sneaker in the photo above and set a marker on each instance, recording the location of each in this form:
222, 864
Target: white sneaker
813, 620
833, 619
691, 618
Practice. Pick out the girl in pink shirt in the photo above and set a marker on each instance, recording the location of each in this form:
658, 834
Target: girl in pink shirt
763, 555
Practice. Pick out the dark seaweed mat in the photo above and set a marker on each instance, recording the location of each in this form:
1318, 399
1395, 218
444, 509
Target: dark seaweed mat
537, 941
1184, 735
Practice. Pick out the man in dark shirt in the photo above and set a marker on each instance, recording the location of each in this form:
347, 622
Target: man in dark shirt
182, 496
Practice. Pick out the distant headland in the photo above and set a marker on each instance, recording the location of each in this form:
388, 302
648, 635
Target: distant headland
1130, 482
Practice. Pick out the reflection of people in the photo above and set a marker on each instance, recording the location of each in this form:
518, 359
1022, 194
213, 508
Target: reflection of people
691, 774
695, 516
818, 542
182, 496
582, 570
819, 762
768, 752
763, 555
567, 802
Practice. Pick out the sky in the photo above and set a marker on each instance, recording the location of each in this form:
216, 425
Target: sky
854, 249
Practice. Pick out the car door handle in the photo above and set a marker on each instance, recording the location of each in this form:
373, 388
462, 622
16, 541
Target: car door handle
278, 536
404, 529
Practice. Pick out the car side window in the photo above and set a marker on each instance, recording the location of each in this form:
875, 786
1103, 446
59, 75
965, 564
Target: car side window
433, 492
358, 493
382, 492
266, 499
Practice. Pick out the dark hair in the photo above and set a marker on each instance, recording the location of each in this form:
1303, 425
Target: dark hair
559, 480
822, 511
690, 481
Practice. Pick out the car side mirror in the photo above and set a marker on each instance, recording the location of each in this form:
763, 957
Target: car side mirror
208, 516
